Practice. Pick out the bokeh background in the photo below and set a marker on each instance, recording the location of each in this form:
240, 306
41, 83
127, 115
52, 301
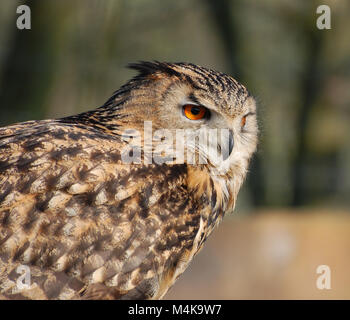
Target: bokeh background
293, 213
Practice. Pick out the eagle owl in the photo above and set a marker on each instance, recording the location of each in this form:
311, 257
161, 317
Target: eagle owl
86, 211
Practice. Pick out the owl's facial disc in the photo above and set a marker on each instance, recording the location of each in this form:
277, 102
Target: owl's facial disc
218, 129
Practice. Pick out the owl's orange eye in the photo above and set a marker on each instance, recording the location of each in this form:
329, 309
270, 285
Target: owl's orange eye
243, 121
194, 112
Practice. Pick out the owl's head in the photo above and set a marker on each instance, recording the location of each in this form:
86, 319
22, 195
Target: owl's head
183, 108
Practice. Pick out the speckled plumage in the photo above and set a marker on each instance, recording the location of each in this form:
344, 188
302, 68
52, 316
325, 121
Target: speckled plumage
90, 226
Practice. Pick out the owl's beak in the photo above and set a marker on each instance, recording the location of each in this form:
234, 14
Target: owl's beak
226, 153
230, 142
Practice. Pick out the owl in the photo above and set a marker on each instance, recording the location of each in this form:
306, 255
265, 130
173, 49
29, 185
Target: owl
114, 203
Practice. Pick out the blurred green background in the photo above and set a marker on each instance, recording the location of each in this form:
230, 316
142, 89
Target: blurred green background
297, 193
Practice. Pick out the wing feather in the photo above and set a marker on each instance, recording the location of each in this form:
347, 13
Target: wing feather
83, 221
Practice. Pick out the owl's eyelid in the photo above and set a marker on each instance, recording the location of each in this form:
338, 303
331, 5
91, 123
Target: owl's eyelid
250, 113
191, 103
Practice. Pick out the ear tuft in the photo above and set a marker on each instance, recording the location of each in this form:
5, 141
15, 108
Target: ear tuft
146, 68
